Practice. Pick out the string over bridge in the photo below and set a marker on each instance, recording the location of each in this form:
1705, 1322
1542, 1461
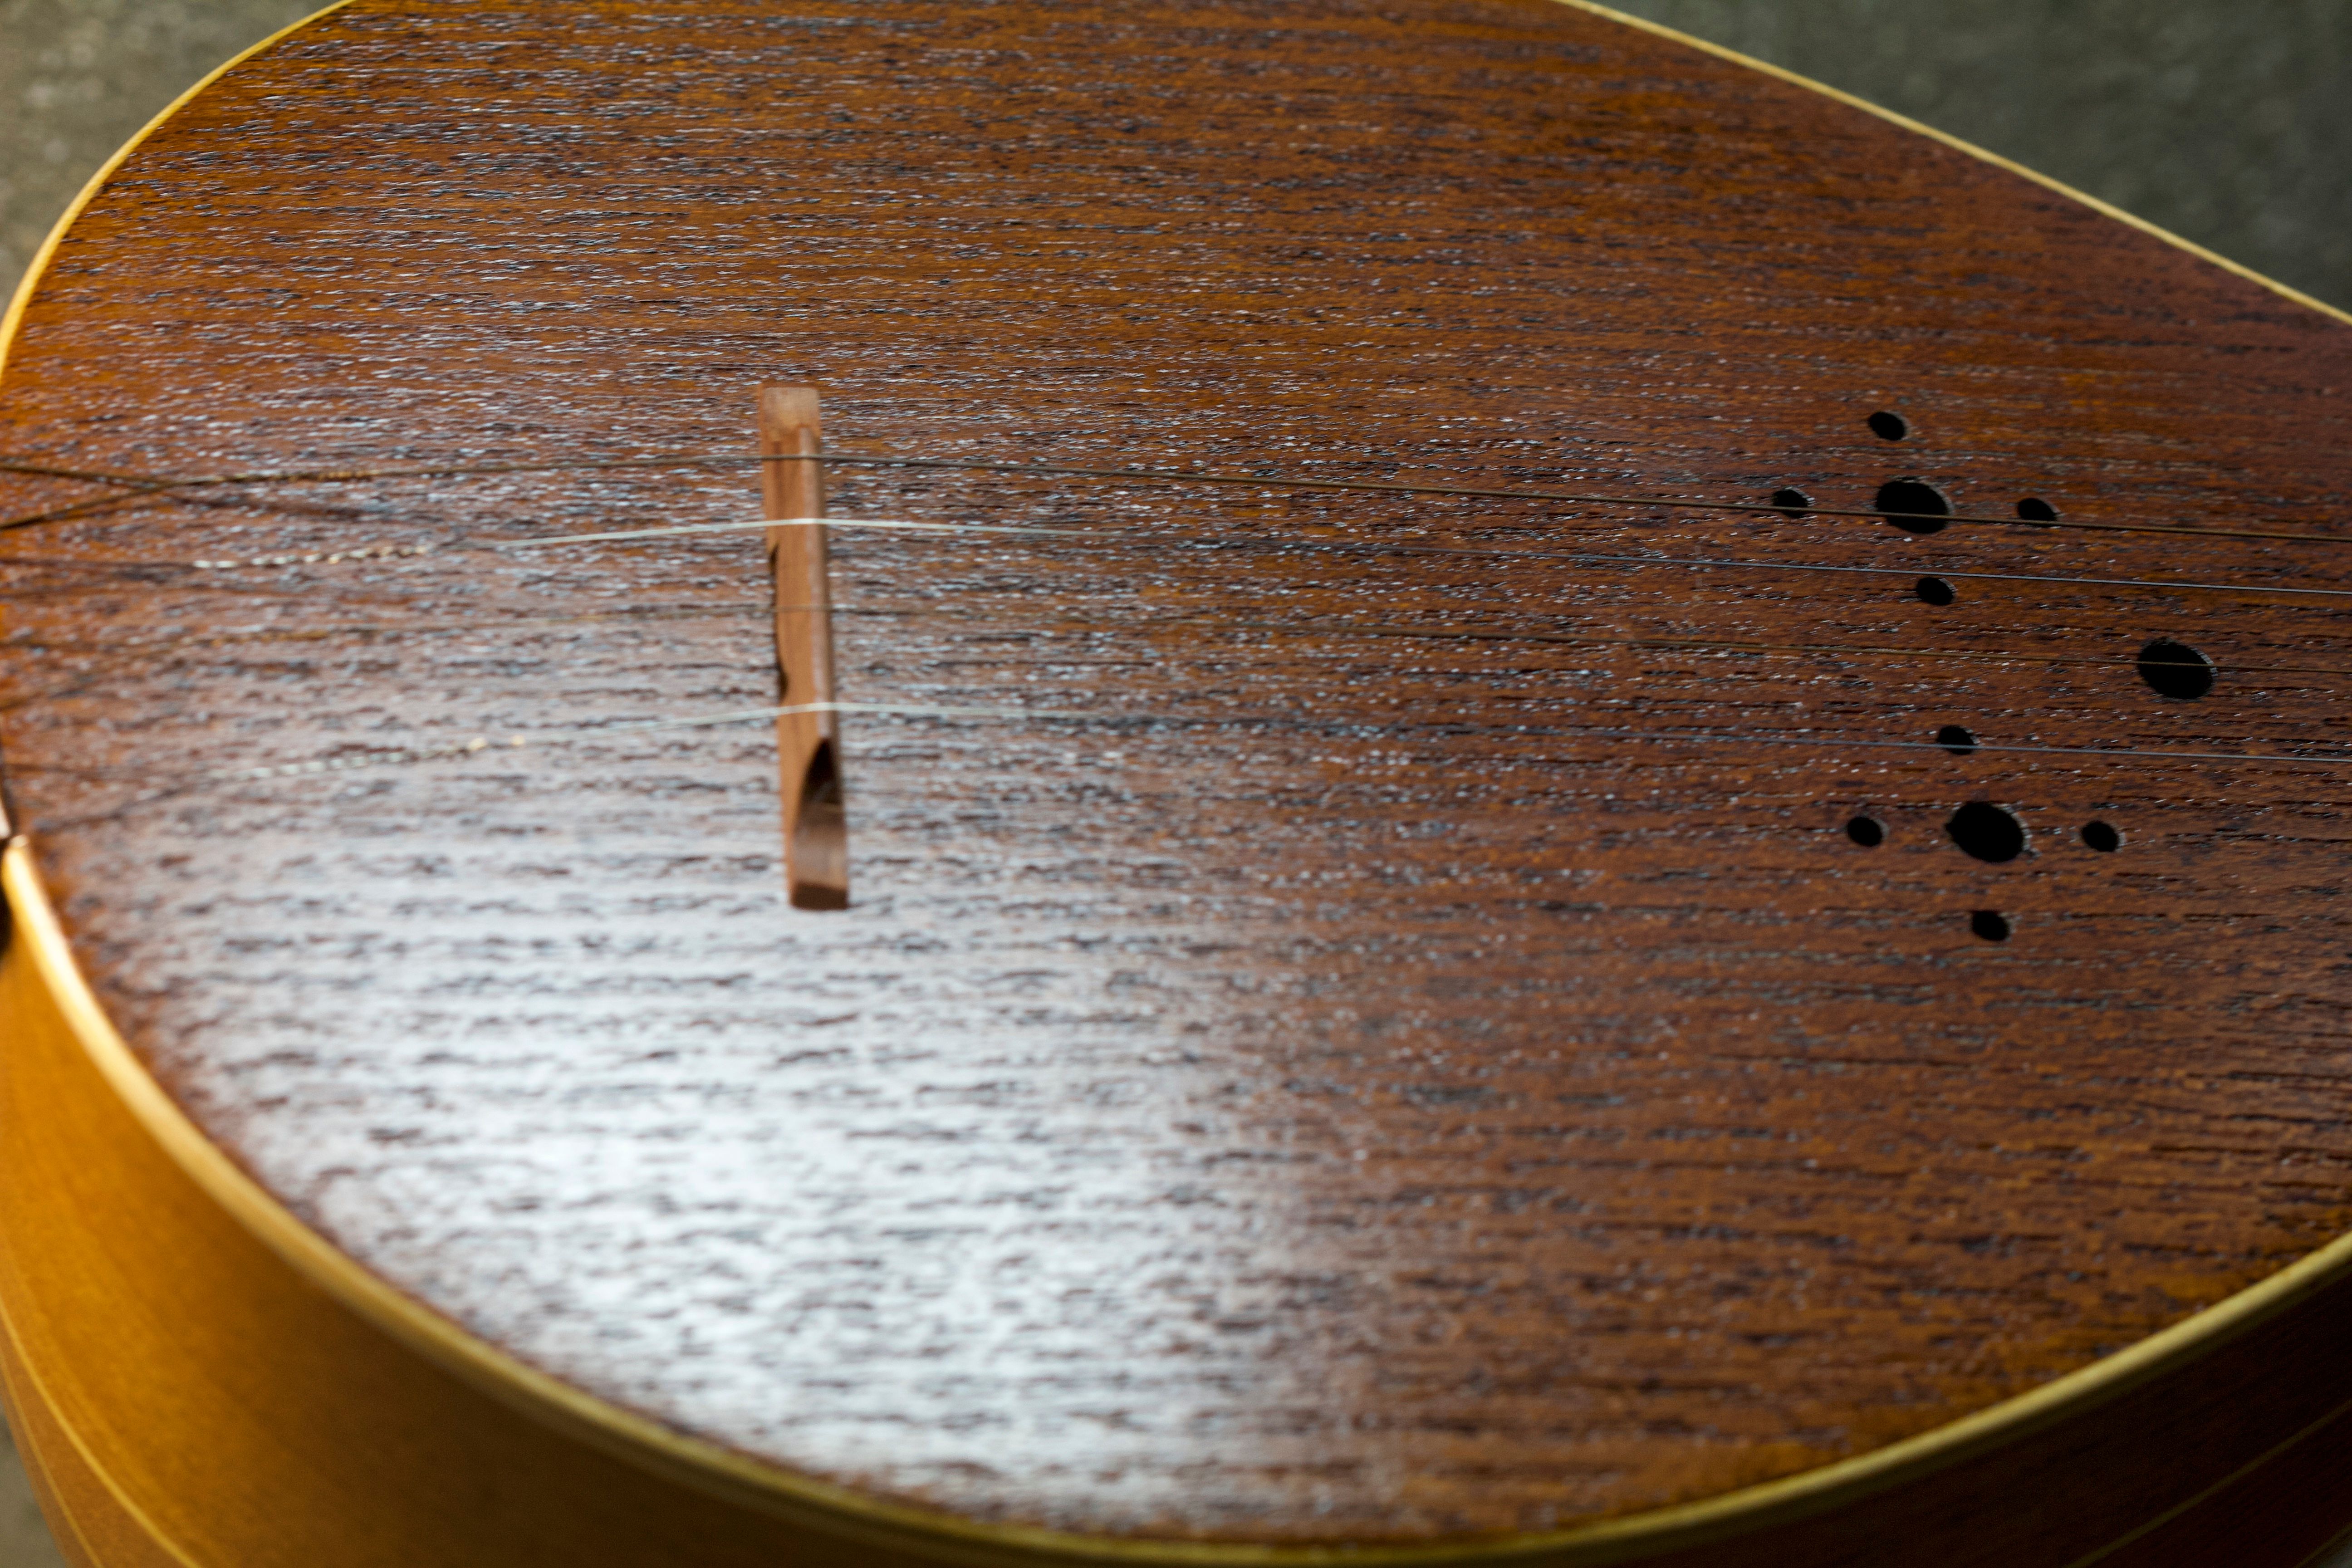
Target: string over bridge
816, 831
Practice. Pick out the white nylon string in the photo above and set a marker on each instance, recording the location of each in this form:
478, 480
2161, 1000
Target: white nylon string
378, 552
478, 744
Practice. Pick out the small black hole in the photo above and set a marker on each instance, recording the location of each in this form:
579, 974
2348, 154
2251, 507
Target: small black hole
2102, 837
2175, 669
1934, 590
1956, 738
1790, 501
1867, 831
1889, 427
1913, 505
2033, 508
1990, 925
1987, 833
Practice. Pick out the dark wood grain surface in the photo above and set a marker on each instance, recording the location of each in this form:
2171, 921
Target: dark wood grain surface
1357, 1085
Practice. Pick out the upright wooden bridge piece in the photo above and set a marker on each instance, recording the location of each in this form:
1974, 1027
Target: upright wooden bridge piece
816, 833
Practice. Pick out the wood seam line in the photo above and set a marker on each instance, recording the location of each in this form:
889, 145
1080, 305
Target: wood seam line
1691, 1524
145, 494
2048, 182
15, 1363
2232, 1478
533, 1393
73, 1543
11, 321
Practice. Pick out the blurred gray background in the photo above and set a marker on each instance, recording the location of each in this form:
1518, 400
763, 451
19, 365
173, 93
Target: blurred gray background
2228, 121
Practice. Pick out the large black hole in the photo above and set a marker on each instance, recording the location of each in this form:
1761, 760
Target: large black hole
1934, 590
2175, 669
1867, 831
1888, 426
1914, 505
1956, 738
2033, 508
1790, 501
1987, 833
2101, 837
1990, 925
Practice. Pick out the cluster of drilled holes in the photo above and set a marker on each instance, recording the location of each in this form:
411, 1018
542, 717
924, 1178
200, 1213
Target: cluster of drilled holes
1983, 831
1986, 832
1915, 506
2170, 669
1911, 504
2175, 669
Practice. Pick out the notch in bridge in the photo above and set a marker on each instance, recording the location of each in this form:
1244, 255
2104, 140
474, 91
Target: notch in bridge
792, 489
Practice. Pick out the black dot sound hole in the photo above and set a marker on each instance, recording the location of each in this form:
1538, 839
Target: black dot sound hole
1867, 831
2175, 669
1913, 505
2033, 508
1987, 833
1889, 427
1792, 501
1934, 591
1990, 925
1956, 738
2101, 837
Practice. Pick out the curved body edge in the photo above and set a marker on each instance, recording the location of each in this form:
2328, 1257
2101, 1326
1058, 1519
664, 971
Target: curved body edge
1962, 144
2168, 1447
2190, 1432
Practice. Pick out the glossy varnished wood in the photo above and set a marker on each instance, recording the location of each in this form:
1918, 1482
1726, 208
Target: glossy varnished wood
183, 1396
187, 1398
1340, 1095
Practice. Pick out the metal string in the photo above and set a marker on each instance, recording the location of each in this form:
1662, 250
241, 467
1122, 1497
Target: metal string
390, 552
1403, 546
479, 745
319, 558
142, 484
1375, 547
145, 496
1439, 633
111, 653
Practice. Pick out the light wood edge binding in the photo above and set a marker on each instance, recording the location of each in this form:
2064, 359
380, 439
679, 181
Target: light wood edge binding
22, 297
816, 831
2105, 209
838, 1511
95, 1522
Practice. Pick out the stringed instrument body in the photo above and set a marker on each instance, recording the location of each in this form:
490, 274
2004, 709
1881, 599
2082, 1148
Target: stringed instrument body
1547, 801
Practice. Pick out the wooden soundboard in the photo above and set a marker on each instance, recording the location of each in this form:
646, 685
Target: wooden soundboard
1576, 807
